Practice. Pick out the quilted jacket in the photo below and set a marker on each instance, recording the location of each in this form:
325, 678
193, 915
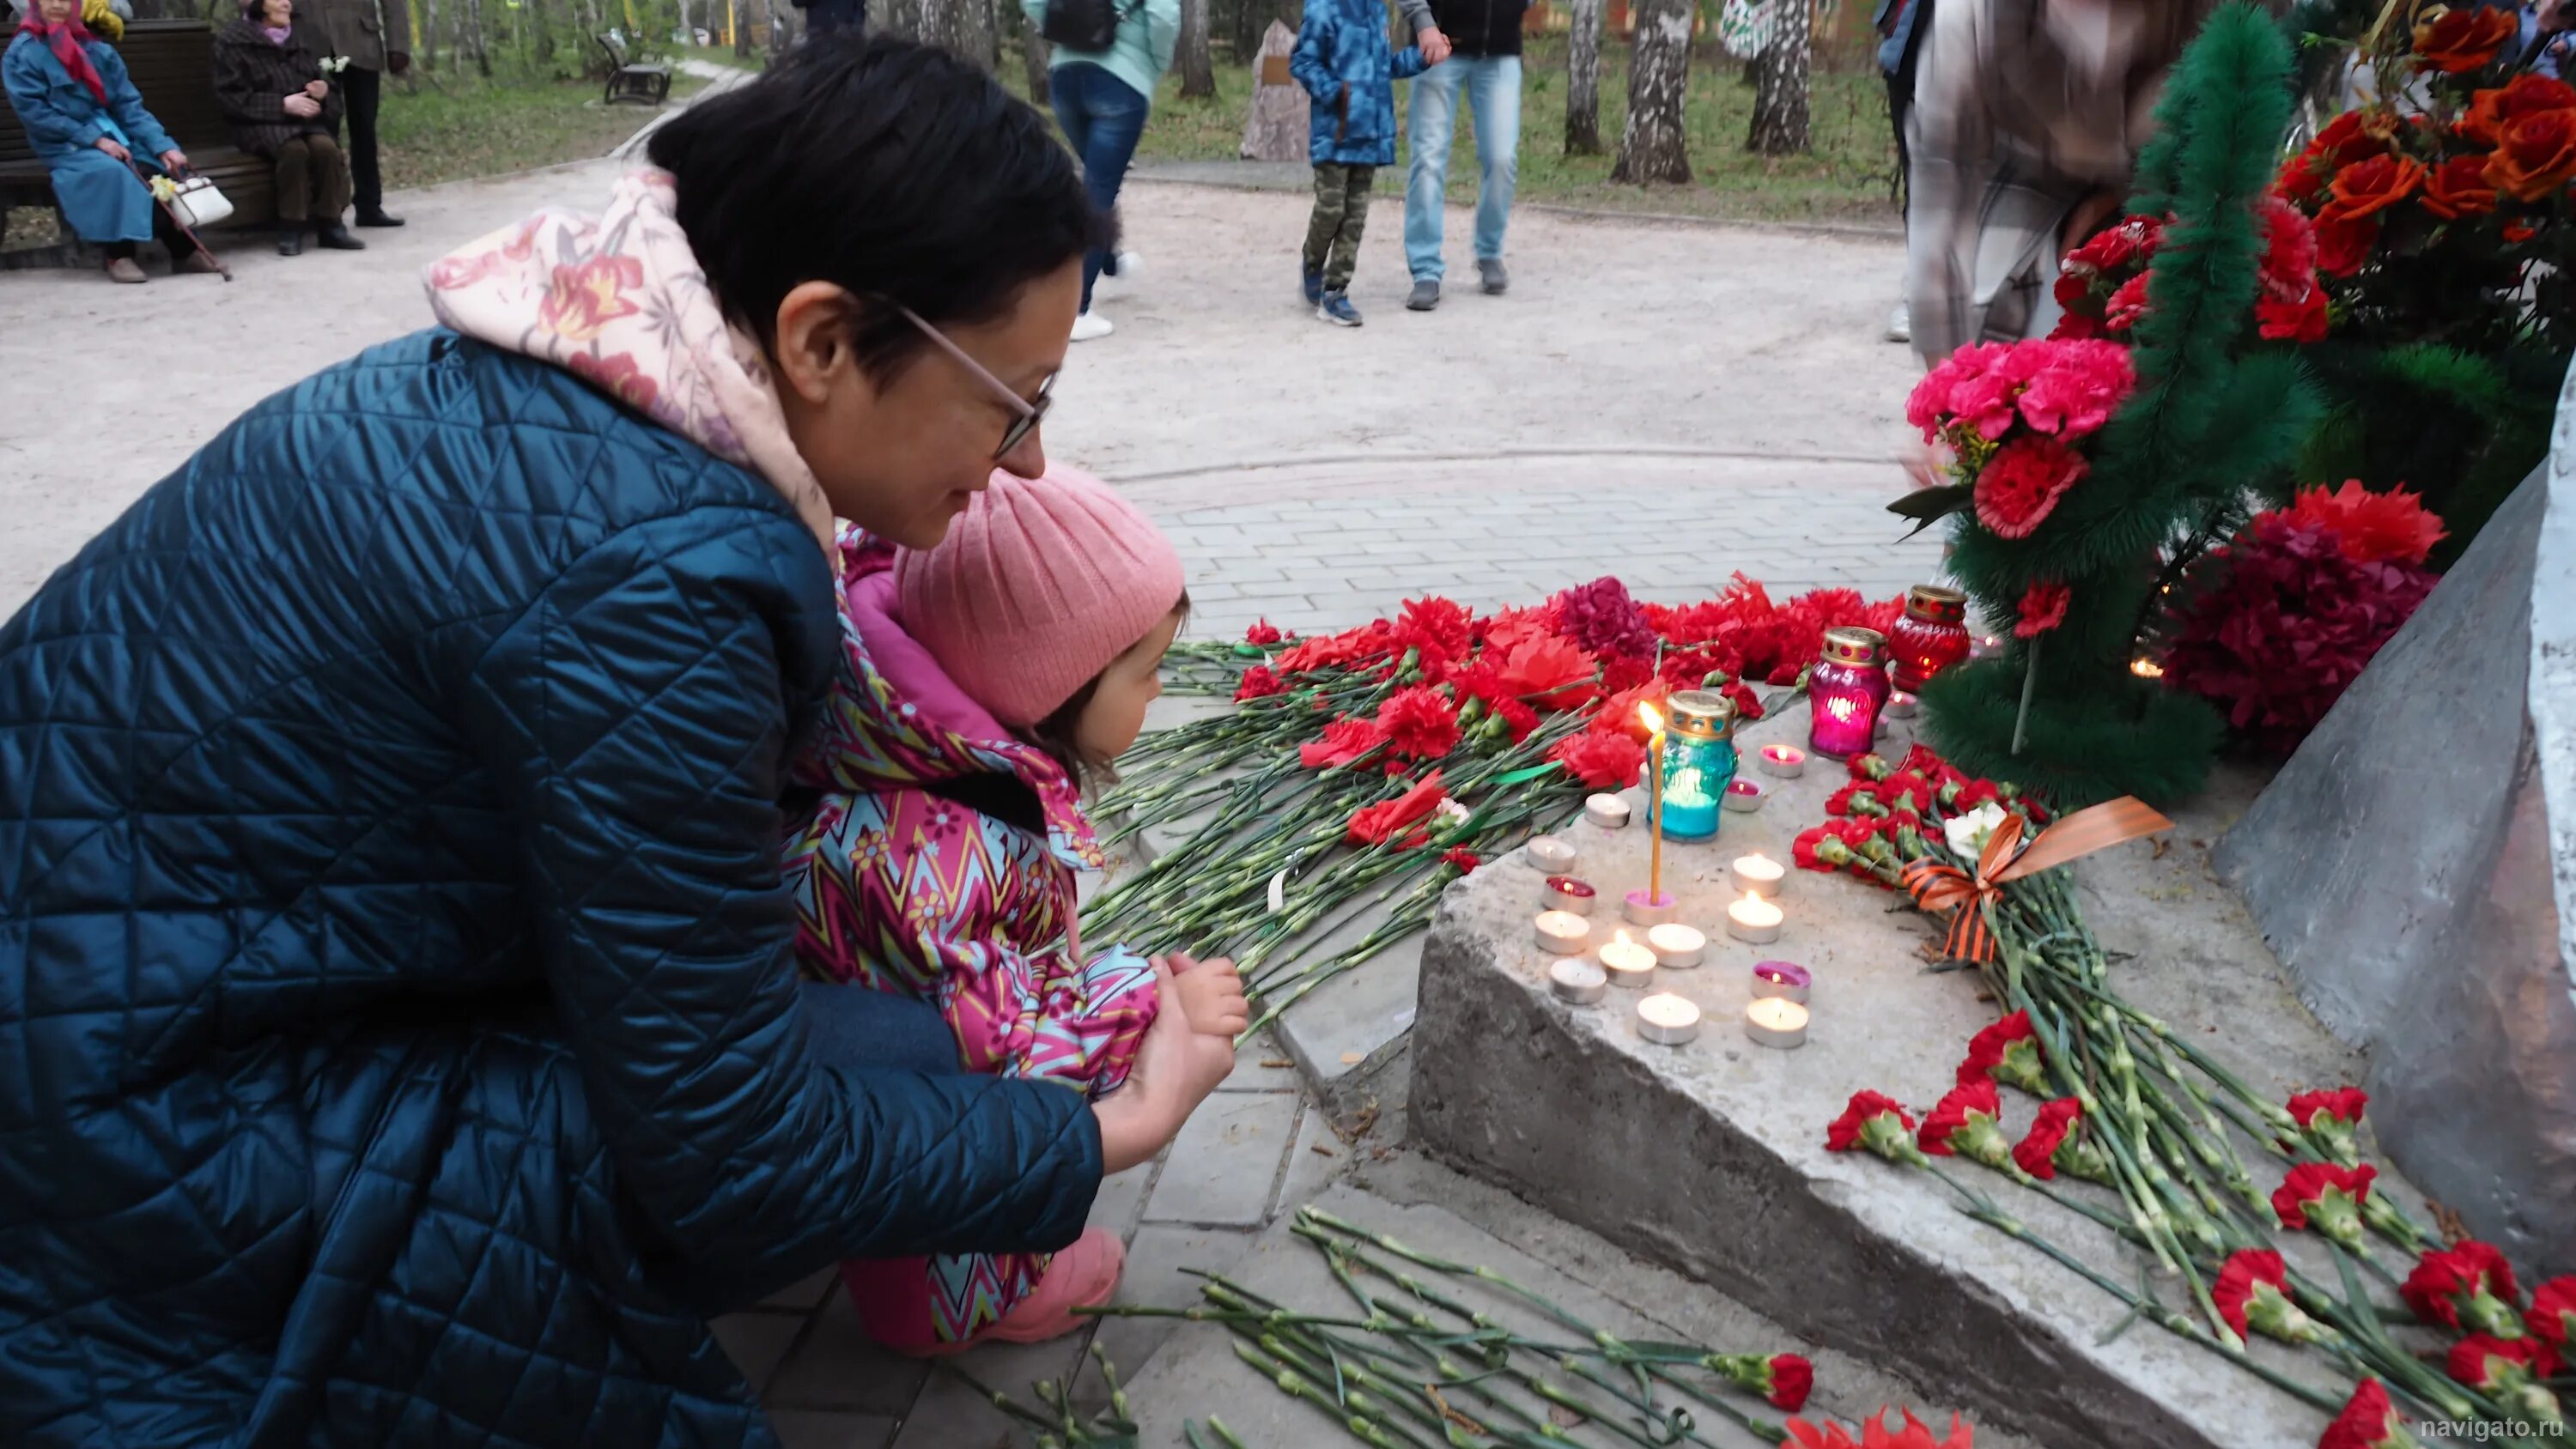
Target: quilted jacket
254, 75
396, 999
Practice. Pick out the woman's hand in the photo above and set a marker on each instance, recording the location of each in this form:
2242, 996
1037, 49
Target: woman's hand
317, 89
302, 106
1175, 1070
1210, 993
109, 145
174, 159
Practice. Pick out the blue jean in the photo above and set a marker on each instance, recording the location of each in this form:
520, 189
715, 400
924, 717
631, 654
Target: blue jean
1493, 86
856, 1028
1102, 117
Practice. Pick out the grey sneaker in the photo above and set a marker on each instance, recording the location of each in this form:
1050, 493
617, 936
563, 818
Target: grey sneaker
1426, 295
1489, 270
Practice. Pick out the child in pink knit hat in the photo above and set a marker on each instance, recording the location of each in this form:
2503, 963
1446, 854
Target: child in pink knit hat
982, 681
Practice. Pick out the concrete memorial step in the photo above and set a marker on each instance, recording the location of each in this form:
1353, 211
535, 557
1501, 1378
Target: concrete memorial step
1709, 1157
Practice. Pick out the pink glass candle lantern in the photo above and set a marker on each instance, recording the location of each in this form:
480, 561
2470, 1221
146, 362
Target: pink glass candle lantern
1931, 637
1848, 689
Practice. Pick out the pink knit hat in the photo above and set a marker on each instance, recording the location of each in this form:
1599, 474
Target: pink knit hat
1037, 588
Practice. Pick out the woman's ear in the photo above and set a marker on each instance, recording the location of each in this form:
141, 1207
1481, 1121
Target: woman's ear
813, 332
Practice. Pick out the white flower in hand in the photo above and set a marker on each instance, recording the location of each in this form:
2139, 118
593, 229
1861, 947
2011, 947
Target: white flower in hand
1967, 833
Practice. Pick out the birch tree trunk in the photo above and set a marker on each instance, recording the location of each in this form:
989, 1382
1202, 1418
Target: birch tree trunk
429, 34
739, 16
1198, 67
1583, 79
472, 20
1033, 57
962, 27
1653, 147
1780, 87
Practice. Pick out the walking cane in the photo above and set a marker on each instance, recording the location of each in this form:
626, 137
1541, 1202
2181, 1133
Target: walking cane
170, 209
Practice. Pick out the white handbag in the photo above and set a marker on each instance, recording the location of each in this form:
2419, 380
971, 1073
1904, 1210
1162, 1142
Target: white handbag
197, 203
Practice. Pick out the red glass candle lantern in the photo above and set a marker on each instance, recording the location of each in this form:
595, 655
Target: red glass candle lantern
1931, 637
1847, 689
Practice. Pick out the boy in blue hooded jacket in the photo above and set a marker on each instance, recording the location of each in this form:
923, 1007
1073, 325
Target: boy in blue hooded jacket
1345, 62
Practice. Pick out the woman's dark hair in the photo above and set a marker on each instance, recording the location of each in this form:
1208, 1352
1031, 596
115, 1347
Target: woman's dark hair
893, 169
1054, 735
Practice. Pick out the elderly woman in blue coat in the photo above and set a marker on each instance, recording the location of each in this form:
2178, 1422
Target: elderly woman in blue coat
85, 120
403, 1042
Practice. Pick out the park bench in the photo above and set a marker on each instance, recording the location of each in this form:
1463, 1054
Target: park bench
173, 65
634, 82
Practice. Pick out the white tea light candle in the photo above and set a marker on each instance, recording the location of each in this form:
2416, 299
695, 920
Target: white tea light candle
1675, 944
1666, 1019
1631, 967
1754, 920
1746, 796
1576, 981
1607, 811
1551, 855
1759, 875
1786, 762
1773, 1022
1646, 910
1565, 893
1785, 979
1901, 705
1563, 933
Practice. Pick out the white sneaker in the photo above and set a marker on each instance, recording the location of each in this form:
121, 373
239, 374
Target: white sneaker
1090, 325
1122, 282
1900, 323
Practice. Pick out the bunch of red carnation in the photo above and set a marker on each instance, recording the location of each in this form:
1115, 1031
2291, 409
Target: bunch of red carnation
1891, 813
2102, 285
2013, 415
2273, 628
1746, 635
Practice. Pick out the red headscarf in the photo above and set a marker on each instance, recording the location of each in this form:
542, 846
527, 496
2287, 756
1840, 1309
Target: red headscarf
68, 41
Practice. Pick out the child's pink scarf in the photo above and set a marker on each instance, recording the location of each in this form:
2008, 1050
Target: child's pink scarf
621, 303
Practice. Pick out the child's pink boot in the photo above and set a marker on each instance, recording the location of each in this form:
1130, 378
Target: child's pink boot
1082, 1276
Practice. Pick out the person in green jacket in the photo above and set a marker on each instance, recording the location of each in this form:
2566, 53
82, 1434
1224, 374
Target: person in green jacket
1101, 99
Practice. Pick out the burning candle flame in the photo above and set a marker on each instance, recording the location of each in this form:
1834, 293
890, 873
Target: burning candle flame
2146, 669
1654, 720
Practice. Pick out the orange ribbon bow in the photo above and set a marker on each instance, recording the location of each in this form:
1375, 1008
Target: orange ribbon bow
1938, 887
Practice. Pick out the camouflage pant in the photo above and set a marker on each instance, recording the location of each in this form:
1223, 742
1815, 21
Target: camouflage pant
1341, 214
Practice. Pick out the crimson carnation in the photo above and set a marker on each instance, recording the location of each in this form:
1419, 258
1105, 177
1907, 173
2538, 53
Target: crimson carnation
1419, 722
1258, 683
2126, 305
2007, 1052
2484, 1361
1460, 856
1400, 819
1857, 798
2347, 1103
2393, 527
1345, 742
1439, 629
1517, 717
2036, 1153
2303, 321
2288, 267
1602, 761
2552, 1318
2019, 487
2042, 608
2468, 1286
1605, 621
1372, 640
1967, 1123
1875, 1123
1549, 672
2327, 1197
2369, 1421
2237, 1281
1262, 632
2279, 625
1818, 848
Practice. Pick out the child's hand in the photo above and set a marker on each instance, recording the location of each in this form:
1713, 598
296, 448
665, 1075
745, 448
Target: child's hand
1210, 994
1175, 1070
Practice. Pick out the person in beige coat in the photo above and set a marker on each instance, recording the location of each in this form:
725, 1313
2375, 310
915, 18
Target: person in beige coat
375, 37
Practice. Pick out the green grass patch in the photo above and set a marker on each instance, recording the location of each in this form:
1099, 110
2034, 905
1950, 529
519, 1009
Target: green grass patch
462, 126
1845, 179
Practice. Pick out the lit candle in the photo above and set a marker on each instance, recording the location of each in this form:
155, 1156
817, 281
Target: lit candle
2146, 669
1576, 981
1775, 1022
1565, 893
1787, 762
1666, 1019
1554, 856
1607, 811
1753, 919
1630, 966
1784, 979
1675, 944
1563, 933
1654, 805
1759, 875
1644, 910
1745, 795
1901, 705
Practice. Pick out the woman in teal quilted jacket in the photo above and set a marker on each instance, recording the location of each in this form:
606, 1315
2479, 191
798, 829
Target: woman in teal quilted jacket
403, 1041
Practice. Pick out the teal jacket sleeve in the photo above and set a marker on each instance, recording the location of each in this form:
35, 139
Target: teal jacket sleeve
1162, 32
1035, 10
636, 717
35, 82
127, 102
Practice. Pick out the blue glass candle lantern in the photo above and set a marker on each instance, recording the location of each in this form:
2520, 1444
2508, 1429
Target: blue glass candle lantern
1699, 763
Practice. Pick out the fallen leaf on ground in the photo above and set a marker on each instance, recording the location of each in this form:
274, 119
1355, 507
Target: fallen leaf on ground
1277, 1062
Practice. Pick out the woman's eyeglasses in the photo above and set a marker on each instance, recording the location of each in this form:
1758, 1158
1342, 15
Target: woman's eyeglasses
1029, 413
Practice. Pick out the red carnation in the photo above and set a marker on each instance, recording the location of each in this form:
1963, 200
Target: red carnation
1968, 1123
1398, 819
2368, 1422
1783, 1378
1601, 760
2468, 1286
1819, 848
1439, 627
1550, 673
1258, 683
1463, 858
2392, 527
2008, 1052
1419, 722
1874, 1123
1517, 717
1860, 797
1261, 632
2511, 1370
2252, 1296
2327, 1198
2303, 321
2043, 607
2020, 485
2552, 1319
1345, 742
2036, 1152
2327, 1120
